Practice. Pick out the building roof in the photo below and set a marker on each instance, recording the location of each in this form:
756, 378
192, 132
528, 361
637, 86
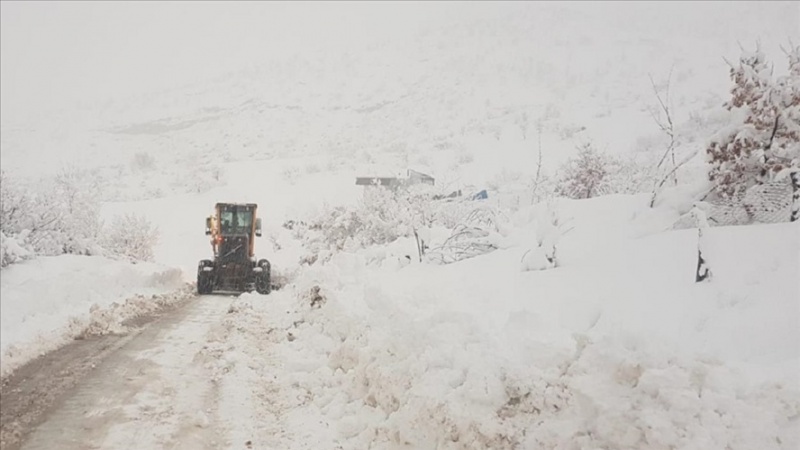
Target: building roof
413, 175
380, 181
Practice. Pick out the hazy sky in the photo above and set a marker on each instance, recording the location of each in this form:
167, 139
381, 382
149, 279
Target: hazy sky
58, 53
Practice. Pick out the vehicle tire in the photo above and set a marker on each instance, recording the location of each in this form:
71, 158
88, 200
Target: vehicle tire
264, 278
205, 278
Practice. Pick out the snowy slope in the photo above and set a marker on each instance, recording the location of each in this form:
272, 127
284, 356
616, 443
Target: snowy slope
618, 348
459, 87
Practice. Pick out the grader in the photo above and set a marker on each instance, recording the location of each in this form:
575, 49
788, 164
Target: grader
233, 228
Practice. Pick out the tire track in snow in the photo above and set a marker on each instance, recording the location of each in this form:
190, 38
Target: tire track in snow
264, 401
247, 402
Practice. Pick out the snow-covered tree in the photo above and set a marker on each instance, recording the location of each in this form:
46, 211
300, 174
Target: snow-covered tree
766, 137
77, 193
13, 249
131, 236
56, 215
664, 118
382, 216
586, 175
14, 203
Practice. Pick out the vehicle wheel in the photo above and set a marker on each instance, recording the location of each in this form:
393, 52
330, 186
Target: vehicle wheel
205, 278
264, 277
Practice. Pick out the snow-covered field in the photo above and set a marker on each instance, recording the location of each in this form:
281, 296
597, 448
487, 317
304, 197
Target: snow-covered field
616, 347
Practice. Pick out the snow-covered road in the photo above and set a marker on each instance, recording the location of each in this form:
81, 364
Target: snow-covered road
182, 382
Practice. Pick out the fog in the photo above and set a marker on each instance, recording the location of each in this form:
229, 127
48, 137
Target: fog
61, 56
57, 54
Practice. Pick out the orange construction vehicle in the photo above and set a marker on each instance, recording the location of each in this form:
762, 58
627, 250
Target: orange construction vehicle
233, 228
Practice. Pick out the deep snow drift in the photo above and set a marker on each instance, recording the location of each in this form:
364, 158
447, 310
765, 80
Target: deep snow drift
618, 347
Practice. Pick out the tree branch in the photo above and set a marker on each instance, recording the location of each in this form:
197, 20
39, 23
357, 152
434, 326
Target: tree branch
667, 175
774, 130
669, 127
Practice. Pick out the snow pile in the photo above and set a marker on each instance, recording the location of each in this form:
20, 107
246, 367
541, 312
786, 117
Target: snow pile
112, 319
617, 347
12, 249
48, 300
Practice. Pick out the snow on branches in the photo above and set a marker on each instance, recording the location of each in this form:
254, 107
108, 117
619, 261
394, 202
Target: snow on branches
766, 138
61, 215
586, 175
131, 236
54, 216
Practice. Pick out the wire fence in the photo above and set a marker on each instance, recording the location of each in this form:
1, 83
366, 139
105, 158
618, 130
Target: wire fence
770, 202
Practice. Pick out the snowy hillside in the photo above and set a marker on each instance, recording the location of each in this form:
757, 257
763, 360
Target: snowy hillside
572, 323
460, 88
618, 348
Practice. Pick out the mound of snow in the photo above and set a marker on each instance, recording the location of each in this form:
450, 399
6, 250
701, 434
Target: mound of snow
616, 348
46, 300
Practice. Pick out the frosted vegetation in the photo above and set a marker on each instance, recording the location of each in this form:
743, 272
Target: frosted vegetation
758, 146
561, 308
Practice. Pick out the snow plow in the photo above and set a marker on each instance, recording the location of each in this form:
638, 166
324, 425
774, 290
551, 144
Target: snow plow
233, 228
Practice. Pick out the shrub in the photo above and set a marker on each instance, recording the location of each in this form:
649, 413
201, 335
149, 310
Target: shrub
143, 161
13, 250
586, 175
56, 216
131, 236
381, 217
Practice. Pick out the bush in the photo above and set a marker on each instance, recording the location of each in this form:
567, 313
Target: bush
592, 173
586, 175
61, 215
76, 192
631, 174
131, 236
381, 217
143, 161
56, 216
13, 250
476, 233
15, 203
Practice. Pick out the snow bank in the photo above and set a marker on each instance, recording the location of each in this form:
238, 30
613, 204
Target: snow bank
12, 251
618, 347
47, 300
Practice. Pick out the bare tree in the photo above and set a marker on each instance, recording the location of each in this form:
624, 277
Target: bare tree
668, 175
523, 123
664, 119
537, 181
